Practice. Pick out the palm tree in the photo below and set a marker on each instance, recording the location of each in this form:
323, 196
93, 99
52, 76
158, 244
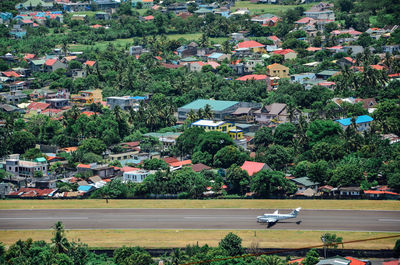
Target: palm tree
60, 242
208, 113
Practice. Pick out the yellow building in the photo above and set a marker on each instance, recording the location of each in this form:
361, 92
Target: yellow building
220, 126
278, 70
87, 97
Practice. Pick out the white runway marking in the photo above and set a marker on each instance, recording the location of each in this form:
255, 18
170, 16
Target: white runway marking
389, 220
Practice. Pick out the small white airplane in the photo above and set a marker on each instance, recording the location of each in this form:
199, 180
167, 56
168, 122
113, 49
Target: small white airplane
272, 218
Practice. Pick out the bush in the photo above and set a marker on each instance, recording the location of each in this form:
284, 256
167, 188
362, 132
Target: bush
183, 195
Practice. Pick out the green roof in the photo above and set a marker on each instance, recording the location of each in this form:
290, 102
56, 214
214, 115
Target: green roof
189, 59
167, 134
34, 3
328, 72
203, 10
305, 181
38, 62
216, 105
40, 159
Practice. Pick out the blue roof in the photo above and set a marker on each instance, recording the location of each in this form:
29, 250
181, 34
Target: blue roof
359, 119
138, 98
216, 105
215, 55
85, 188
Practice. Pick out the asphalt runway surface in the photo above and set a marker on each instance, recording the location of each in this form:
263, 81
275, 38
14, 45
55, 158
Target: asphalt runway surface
229, 219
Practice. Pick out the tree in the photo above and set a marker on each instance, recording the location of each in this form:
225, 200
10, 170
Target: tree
267, 183
202, 157
349, 171
232, 245
32, 153
132, 255
228, 156
284, 134
22, 141
321, 129
150, 144
237, 179
276, 156
263, 137
272, 260
93, 145
155, 164
212, 142
331, 241
396, 249
312, 257
60, 241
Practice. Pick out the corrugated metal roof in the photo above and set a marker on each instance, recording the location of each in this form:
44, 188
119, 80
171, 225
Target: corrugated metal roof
359, 119
216, 105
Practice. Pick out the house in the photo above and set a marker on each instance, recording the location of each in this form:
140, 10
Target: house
187, 50
277, 41
38, 106
199, 167
46, 184
210, 125
362, 122
125, 102
13, 97
352, 49
218, 57
102, 16
250, 64
17, 32
179, 164
57, 103
334, 261
274, 113
198, 66
304, 21
237, 36
36, 65
254, 167
301, 78
381, 194
264, 78
342, 62
87, 97
177, 8
326, 74
31, 193
52, 65
22, 168
135, 176
278, 70
349, 191
288, 54
251, 45
34, 4
391, 48
145, 3
304, 183
322, 13
79, 17
220, 108
266, 19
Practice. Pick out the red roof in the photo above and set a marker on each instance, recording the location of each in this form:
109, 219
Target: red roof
27, 21
11, 74
354, 261
50, 62
128, 169
296, 261
273, 38
395, 75
327, 83
29, 56
181, 163
31, 192
83, 166
350, 59
158, 58
252, 167
52, 111
377, 67
380, 192
90, 63
171, 66
96, 26
199, 167
249, 44
284, 51
38, 106
304, 20
148, 17
131, 144
88, 113
313, 49
335, 48
392, 262
170, 160
252, 77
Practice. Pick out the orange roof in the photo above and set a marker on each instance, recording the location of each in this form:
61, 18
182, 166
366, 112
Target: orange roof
273, 65
11, 74
252, 77
69, 149
90, 63
273, 38
296, 261
128, 169
350, 59
377, 67
29, 56
252, 167
88, 113
181, 163
148, 17
147, 1
283, 52
70, 58
96, 26
38, 106
380, 192
83, 166
249, 44
313, 49
50, 62
354, 261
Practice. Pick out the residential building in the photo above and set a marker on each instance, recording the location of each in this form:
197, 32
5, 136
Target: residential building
125, 103
334, 261
266, 19
87, 97
145, 3
254, 167
106, 4
350, 191
13, 97
210, 125
305, 184
326, 74
177, 8
218, 57
264, 78
322, 13
52, 65
135, 176
362, 122
301, 78
198, 66
36, 65
274, 113
57, 103
187, 50
102, 16
17, 32
220, 108
251, 45
278, 70
288, 54
23, 168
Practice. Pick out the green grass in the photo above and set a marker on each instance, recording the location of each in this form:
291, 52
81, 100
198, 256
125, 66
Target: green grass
200, 204
266, 8
180, 238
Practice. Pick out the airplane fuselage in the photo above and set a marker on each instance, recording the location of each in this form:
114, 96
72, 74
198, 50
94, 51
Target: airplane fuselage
267, 217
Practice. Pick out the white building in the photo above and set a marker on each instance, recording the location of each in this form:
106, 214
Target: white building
135, 176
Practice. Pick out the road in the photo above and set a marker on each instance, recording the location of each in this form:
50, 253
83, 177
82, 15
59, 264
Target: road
230, 219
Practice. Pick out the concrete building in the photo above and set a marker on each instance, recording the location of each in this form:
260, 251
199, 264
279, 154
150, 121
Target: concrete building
23, 168
87, 97
220, 108
135, 176
278, 70
125, 102
362, 123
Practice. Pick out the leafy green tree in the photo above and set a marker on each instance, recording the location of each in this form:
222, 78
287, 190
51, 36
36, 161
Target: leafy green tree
59, 240
312, 257
22, 141
272, 260
93, 145
284, 134
276, 156
32, 153
202, 157
188, 140
237, 179
331, 240
150, 144
267, 183
349, 171
396, 249
155, 164
212, 142
232, 245
263, 137
132, 255
228, 156
321, 129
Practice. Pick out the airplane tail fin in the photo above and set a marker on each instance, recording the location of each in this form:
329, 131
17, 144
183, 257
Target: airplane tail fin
296, 211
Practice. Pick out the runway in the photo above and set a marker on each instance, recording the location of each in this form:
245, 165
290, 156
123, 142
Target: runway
229, 219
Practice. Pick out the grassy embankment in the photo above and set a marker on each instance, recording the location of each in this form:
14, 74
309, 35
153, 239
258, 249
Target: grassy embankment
180, 238
256, 9
254, 204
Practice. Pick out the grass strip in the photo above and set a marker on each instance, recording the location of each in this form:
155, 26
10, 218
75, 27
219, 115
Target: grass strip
180, 238
199, 204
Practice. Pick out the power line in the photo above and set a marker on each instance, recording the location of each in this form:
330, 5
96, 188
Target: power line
286, 250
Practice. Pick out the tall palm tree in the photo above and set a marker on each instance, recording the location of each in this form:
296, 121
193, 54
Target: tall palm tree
60, 242
208, 113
